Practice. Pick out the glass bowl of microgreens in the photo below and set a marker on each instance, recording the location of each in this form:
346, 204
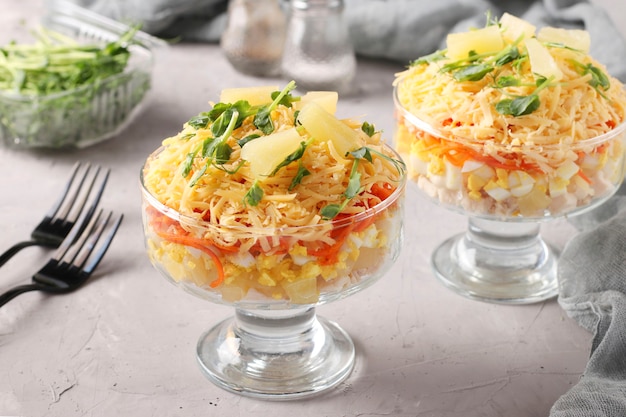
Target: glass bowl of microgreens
511, 125
271, 204
79, 79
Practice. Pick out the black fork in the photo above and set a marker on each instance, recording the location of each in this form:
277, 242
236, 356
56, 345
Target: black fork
75, 259
81, 188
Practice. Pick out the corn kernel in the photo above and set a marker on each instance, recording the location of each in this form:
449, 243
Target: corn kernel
503, 177
436, 165
475, 195
475, 182
266, 279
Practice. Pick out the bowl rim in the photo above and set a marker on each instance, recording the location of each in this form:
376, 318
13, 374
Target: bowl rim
283, 230
504, 147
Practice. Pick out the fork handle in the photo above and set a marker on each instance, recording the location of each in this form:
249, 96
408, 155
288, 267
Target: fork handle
14, 292
9, 253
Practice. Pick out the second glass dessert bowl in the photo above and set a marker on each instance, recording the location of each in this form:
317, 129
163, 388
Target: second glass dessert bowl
275, 347
507, 190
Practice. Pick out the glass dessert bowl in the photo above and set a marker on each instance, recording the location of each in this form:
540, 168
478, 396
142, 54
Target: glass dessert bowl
497, 148
249, 242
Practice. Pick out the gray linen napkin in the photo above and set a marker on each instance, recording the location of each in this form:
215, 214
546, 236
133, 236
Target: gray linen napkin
592, 280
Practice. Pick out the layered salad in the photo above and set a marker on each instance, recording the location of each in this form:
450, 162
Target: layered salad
268, 196
512, 121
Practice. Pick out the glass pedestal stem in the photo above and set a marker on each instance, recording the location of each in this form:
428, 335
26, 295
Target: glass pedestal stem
498, 261
276, 354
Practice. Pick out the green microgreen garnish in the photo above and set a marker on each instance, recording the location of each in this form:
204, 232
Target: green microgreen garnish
198, 174
369, 129
262, 119
187, 136
507, 81
217, 117
330, 211
560, 45
254, 195
476, 66
294, 156
472, 72
510, 54
366, 153
215, 150
188, 163
354, 185
522, 105
599, 80
200, 121
362, 153
427, 59
247, 139
297, 179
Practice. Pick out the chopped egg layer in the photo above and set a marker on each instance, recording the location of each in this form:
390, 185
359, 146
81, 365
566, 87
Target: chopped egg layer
462, 177
294, 270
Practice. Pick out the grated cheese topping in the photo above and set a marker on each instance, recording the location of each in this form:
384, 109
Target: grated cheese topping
219, 196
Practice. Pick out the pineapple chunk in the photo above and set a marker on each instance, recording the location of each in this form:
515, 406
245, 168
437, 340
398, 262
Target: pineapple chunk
302, 291
475, 182
485, 40
265, 153
534, 203
326, 99
323, 126
567, 169
254, 95
514, 27
520, 183
233, 293
541, 61
572, 38
557, 186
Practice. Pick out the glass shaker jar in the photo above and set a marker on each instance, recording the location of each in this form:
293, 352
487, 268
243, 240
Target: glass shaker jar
318, 52
254, 36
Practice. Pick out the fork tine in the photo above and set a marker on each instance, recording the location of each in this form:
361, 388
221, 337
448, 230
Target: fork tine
75, 205
77, 251
95, 199
68, 185
86, 220
67, 252
104, 246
